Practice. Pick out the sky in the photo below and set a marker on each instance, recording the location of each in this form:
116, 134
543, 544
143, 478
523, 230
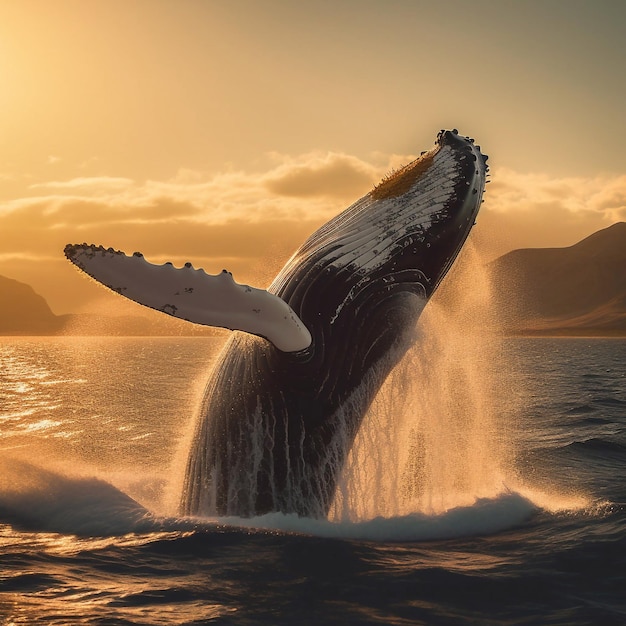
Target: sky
224, 132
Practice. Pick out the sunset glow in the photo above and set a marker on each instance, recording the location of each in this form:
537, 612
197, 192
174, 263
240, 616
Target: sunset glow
226, 132
312, 312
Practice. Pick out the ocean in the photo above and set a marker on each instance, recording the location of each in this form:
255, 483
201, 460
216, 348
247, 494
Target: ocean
488, 487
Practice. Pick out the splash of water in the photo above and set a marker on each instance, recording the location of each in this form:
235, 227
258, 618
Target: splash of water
434, 439
441, 434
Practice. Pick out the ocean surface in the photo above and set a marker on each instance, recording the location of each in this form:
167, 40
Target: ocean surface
506, 506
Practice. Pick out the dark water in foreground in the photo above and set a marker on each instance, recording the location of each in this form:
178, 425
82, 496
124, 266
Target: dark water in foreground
84, 424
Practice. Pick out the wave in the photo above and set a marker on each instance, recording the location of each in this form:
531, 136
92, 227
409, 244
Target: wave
485, 517
34, 498
598, 445
38, 499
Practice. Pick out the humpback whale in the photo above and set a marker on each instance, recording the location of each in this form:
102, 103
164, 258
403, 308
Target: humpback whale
288, 394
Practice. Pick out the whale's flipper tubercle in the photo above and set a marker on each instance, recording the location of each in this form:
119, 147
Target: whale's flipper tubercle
193, 295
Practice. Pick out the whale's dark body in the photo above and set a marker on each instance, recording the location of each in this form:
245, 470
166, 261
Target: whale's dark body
275, 427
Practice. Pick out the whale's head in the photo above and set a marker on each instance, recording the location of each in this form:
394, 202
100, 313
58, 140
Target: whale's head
371, 269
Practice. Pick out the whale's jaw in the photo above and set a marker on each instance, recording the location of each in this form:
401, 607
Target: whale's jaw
276, 427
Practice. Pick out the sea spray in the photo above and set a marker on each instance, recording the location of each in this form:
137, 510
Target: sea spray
437, 435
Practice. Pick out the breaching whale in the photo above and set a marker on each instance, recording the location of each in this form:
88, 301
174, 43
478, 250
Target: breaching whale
287, 396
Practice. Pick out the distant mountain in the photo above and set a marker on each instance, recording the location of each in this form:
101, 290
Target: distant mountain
579, 290
24, 312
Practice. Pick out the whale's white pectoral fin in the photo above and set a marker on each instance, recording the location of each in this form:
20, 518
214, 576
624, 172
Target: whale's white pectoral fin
193, 295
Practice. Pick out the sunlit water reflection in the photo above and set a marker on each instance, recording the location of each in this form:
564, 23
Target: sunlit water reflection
92, 436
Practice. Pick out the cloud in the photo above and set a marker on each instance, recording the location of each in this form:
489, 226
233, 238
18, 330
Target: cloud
250, 222
247, 222
533, 210
520, 209
611, 198
101, 184
513, 191
309, 187
322, 175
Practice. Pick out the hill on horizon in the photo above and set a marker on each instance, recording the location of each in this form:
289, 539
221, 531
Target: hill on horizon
23, 312
573, 290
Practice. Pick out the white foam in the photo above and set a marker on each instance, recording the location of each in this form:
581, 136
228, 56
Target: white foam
39, 499
485, 517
